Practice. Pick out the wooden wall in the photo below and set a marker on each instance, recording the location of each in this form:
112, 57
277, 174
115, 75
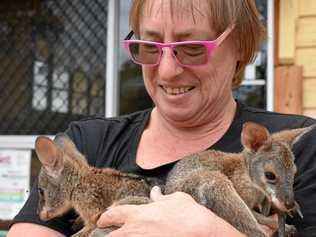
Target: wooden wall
297, 46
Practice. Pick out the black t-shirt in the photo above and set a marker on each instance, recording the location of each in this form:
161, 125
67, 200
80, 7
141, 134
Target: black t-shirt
112, 142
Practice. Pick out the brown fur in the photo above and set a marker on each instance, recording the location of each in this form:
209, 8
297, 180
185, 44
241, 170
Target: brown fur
66, 181
234, 185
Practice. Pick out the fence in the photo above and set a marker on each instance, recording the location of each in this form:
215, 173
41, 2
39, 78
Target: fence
52, 64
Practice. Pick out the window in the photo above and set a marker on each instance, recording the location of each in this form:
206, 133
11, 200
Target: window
52, 64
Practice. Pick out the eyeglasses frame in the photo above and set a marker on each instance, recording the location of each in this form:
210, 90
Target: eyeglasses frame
210, 46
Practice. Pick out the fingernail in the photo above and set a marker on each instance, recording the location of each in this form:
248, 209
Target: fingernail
100, 222
155, 193
156, 189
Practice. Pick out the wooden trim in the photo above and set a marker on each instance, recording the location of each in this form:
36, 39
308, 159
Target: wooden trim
288, 88
276, 31
306, 57
287, 23
306, 33
309, 98
307, 8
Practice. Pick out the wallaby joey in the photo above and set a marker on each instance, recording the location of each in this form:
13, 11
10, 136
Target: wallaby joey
241, 187
67, 181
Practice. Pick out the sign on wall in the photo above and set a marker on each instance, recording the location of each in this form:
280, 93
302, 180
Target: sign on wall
14, 181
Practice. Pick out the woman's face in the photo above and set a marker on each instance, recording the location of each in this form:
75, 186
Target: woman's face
183, 94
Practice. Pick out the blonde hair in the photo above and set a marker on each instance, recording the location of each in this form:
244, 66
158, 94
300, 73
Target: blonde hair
247, 35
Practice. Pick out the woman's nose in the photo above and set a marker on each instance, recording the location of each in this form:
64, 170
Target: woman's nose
168, 66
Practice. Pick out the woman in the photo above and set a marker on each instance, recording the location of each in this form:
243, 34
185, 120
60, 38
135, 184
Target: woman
190, 84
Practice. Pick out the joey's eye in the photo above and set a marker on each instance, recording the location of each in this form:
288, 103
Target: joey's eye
271, 178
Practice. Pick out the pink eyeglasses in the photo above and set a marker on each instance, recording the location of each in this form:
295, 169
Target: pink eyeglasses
187, 53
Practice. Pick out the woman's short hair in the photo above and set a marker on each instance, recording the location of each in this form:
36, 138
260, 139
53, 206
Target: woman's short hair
248, 33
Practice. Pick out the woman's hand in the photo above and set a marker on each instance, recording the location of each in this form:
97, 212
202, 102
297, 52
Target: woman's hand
171, 215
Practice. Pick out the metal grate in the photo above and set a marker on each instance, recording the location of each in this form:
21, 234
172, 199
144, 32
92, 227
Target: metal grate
52, 64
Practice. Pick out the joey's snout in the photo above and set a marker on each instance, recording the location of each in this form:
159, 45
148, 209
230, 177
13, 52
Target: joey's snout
44, 214
289, 204
285, 204
289, 201
42, 211
41, 200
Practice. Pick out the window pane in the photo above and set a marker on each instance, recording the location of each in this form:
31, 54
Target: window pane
42, 52
253, 90
60, 101
39, 101
133, 95
252, 95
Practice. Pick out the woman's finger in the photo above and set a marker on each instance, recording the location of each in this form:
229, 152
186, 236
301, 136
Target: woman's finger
115, 216
155, 194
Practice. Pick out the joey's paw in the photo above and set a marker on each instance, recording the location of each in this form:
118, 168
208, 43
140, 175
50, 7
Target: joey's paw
98, 232
76, 224
84, 232
264, 207
290, 231
45, 215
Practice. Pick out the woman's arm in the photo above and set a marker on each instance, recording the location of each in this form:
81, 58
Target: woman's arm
176, 215
31, 230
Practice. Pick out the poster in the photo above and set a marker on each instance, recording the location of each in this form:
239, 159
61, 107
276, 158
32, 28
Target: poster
15, 168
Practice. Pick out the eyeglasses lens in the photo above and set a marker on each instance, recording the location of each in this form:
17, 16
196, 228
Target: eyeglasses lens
144, 53
187, 54
191, 54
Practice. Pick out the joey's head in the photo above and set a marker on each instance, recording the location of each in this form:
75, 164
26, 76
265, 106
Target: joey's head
270, 162
52, 193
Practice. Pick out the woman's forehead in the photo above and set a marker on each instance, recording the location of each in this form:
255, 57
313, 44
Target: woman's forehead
176, 10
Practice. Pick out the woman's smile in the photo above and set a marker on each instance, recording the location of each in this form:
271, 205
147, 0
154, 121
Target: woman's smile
177, 90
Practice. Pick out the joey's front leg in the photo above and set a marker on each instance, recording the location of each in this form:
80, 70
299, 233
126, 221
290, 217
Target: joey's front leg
49, 213
270, 221
84, 232
130, 200
98, 232
215, 191
94, 232
77, 224
255, 197
285, 230
273, 223
90, 230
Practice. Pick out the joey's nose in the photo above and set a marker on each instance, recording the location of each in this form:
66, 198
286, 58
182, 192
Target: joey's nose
168, 66
289, 204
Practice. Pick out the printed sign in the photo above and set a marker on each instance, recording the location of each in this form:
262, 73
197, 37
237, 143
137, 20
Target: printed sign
15, 166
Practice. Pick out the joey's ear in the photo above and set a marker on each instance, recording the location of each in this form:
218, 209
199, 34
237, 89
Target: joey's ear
293, 135
49, 154
253, 136
66, 144
63, 141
